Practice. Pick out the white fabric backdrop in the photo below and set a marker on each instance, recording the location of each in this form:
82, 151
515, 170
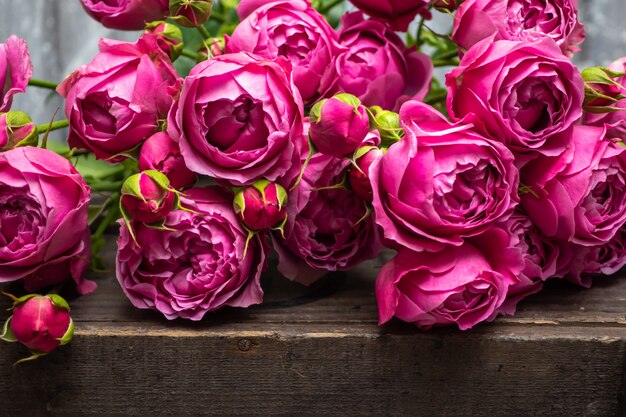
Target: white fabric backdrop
61, 37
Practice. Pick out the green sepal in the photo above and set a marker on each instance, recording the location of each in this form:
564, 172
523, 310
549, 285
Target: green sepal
128, 223
362, 151
349, 99
59, 301
601, 75
69, 334
281, 227
7, 334
11, 296
251, 234
239, 203
282, 196
16, 119
34, 355
159, 226
260, 186
315, 115
368, 212
131, 187
24, 298
312, 151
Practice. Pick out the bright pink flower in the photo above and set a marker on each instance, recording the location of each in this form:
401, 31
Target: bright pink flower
377, 67
115, 102
397, 13
441, 183
199, 263
147, 197
126, 14
523, 20
15, 70
462, 285
44, 236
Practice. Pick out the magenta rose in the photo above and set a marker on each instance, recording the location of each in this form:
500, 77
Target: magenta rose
126, 14
526, 94
328, 227
617, 119
161, 153
580, 196
115, 102
44, 236
199, 263
462, 285
377, 67
15, 69
523, 20
296, 31
239, 118
397, 13
606, 259
441, 183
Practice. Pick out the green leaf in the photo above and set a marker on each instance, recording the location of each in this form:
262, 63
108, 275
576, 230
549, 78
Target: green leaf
92, 169
7, 334
59, 301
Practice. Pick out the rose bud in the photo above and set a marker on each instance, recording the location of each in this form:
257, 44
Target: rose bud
359, 174
125, 14
262, 205
147, 197
388, 125
17, 129
41, 323
602, 89
161, 153
190, 13
169, 37
339, 125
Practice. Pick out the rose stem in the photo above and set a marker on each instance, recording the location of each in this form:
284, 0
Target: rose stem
43, 84
49, 127
108, 219
191, 54
203, 32
330, 6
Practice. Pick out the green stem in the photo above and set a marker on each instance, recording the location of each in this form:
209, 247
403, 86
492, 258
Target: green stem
330, 6
445, 63
203, 32
49, 127
111, 215
447, 55
218, 17
191, 54
43, 84
437, 98
105, 185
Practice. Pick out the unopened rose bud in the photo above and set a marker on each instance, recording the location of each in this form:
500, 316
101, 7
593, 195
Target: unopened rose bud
262, 205
17, 129
359, 174
602, 90
169, 37
388, 125
190, 13
339, 125
212, 47
147, 197
159, 152
39, 322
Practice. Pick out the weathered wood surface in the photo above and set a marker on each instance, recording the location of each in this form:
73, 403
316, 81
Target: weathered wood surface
319, 351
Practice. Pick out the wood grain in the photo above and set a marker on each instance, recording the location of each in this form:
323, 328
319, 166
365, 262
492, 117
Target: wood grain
318, 351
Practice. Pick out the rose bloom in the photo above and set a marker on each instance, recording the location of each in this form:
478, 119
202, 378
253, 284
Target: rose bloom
296, 31
441, 183
115, 102
126, 14
462, 285
377, 67
44, 236
523, 20
617, 119
328, 227
606, 259
239, 118
526, 94
580, 196
397, 13
198, 263
15, 70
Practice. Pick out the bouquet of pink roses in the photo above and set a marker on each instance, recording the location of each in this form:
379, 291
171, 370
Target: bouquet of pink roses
227, 130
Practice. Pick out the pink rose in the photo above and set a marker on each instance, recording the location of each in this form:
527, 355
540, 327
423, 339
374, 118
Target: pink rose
526, 94
115, 102
161, 153
397, 13
15, 69
441, 183
462, 285
44, 236
616, 120
377, 67
239, 118
606, 259
523, 20
126, 14
580, 196
261, 206
296, 31
200, 263
328, 228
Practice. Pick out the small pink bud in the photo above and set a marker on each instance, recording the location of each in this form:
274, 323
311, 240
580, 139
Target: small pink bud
17, 129
262, 205
339, 125
359, 177
162, 154
147, 197
169, 37
41, 323
190, 13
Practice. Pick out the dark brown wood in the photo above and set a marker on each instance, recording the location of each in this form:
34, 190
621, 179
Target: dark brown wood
319, 351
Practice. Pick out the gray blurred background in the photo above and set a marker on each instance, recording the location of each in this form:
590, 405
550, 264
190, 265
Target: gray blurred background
61, 37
